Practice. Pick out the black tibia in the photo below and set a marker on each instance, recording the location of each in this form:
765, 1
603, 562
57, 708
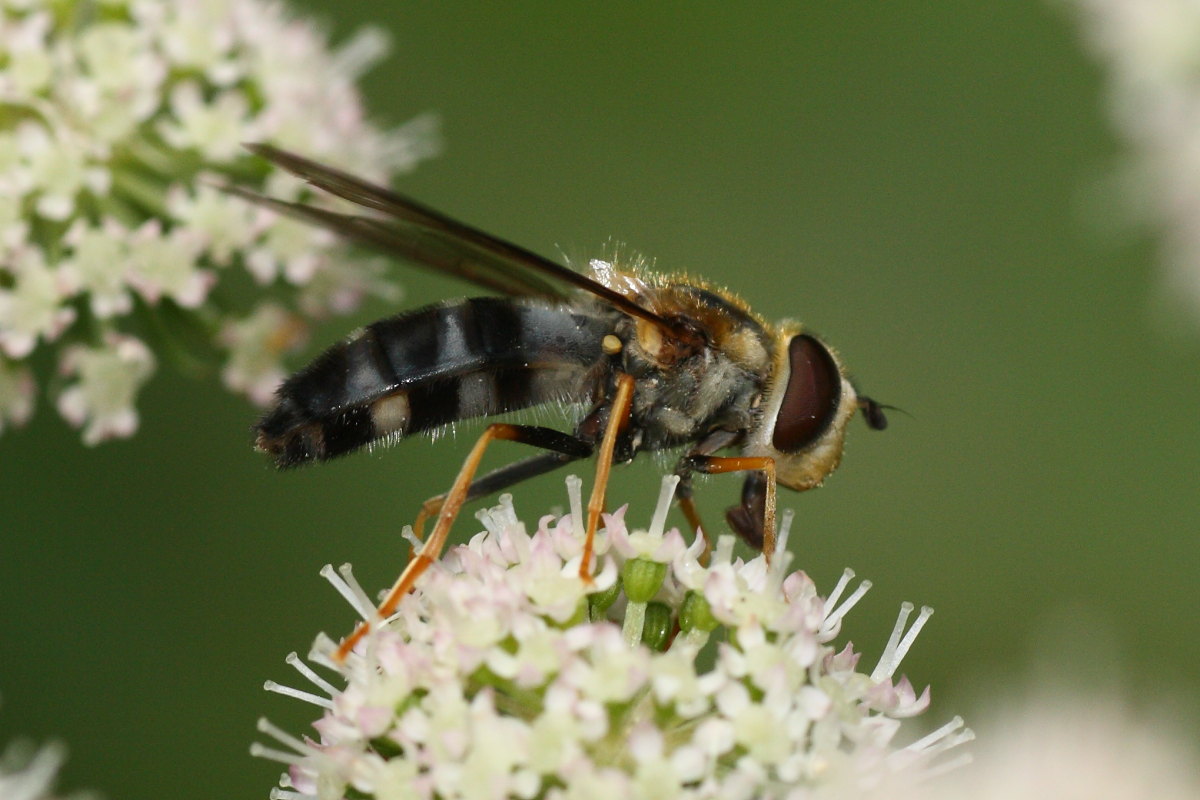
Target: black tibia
747, 519
548, 439
564, 448
512, 474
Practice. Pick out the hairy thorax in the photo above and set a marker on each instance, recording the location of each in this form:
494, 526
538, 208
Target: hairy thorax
682, 394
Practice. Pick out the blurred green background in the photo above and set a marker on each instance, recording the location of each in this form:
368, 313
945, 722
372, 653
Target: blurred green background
908, 178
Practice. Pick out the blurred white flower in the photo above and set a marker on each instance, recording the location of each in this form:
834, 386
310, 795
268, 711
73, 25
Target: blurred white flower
256, 346
33, 308
28, 772
340, 286
29, 66
108, 378
214, 127
226, 223
504, 675
163, 264
120, 117
291, 249
57, 169
1151, 52
17, 393
97, 266
1070, 746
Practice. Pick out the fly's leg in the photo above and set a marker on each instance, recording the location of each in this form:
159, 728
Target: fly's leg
747, 519
546, 438
687, 504
683, 491
498, 480
618, 416
758, 496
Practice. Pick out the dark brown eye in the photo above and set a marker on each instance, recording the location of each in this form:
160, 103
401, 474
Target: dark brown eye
811, 400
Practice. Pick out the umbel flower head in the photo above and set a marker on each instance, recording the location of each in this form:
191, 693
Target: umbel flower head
118, 119
504, 675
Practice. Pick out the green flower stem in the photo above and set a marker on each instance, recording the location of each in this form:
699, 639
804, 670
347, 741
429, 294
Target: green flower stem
635, 620
161, 159
143, 192
112, 206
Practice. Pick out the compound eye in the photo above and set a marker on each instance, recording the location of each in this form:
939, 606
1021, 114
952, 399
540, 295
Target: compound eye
811, 399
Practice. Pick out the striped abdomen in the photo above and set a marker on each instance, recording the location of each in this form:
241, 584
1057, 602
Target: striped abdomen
430, 367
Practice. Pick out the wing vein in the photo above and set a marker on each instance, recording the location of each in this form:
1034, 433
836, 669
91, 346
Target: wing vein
421, 234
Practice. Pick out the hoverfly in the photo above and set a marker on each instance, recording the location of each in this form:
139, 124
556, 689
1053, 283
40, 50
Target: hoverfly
660, 362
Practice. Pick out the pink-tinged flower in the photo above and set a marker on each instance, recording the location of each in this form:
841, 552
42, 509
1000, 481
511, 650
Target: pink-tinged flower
163, 264
289, 249
120, 124
58, 168
257, 346
33, 309
225, 224
94, 266
655, 544
479, 688
107, 379
215, 127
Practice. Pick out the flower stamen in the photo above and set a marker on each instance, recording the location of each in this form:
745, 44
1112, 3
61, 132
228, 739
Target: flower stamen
308, 697
351, 591
897, 648
503, 675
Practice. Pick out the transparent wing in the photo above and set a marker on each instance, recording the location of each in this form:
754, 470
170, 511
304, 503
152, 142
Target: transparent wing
419, 234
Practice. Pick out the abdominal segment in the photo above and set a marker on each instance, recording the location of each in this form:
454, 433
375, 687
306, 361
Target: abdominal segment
427, 368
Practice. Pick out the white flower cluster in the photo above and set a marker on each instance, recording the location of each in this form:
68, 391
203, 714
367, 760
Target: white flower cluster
117, 120
504, 675
1151, 50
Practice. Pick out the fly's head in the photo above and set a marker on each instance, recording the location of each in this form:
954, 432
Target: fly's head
806, 408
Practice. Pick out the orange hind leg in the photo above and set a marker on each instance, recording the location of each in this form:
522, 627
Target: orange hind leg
618, 418
447, 506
